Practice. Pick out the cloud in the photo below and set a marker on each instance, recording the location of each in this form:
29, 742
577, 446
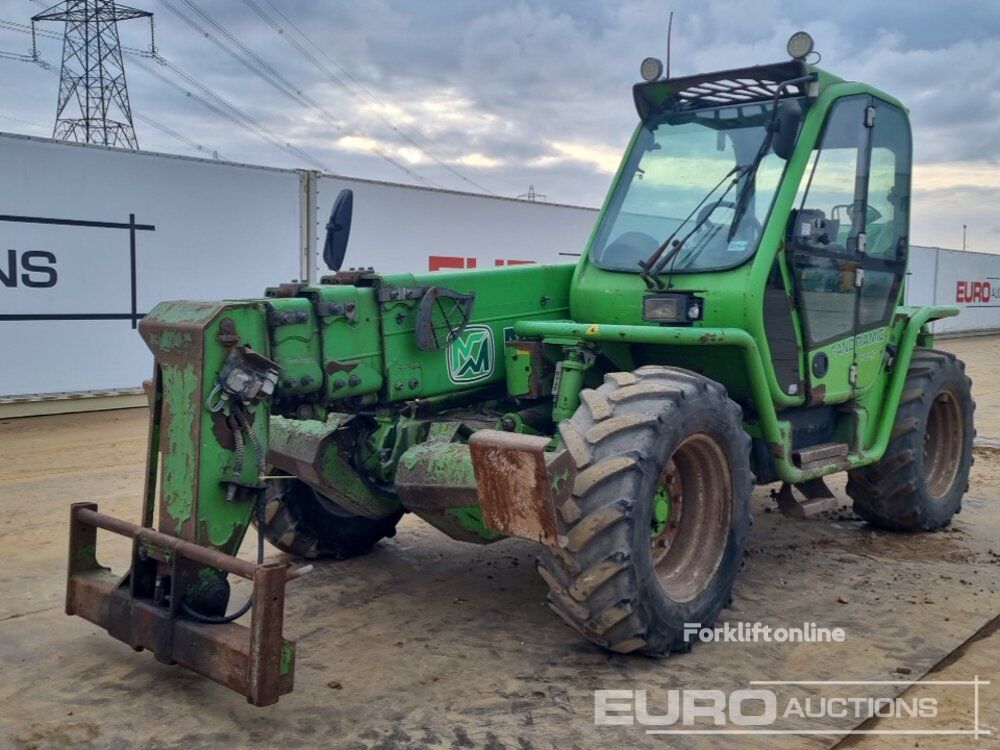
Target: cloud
519, 93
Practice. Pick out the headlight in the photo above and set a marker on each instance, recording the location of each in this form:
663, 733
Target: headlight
800, 44
672, 308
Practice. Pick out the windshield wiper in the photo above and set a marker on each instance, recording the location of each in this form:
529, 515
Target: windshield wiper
770, 128
659, 258
743, 198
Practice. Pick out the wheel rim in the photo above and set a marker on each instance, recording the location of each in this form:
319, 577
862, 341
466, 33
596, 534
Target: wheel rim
688, 547
942, 444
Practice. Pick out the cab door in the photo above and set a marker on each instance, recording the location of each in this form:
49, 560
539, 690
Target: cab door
884, 248
826, 234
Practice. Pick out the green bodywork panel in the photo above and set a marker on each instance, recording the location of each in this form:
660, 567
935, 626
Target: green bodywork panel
517, 363
353, 359
185, 338
295, 346
503, 297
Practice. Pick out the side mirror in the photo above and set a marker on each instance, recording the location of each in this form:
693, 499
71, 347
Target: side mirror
338, 230
789, 121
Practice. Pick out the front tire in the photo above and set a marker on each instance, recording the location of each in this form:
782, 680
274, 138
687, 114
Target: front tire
305, 523
919, 483
657, 524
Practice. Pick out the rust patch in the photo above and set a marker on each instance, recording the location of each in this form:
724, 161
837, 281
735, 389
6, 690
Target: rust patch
817, 394
223, 432
147, 388
256, 662
520, 485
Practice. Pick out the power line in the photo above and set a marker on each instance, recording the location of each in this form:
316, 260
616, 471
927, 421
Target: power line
210, 99
225, 109
15, 56
367, 91
262, 69
273, 79
18, 119
340, 83
259, 64
26, 29
44, 65
166, 130
220, 106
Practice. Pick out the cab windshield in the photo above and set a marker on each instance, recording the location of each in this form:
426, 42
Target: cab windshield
676, 162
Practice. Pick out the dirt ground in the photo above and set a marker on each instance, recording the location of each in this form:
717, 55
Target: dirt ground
430, 643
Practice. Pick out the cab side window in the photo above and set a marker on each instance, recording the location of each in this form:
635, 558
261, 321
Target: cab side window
825, 230
887, 217
830, 190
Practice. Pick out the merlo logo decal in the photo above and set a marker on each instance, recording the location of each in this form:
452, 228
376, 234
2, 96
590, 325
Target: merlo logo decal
470, 356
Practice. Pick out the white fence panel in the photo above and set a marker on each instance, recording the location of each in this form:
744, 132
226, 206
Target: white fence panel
921, 276
399, 229
971, 281
92, 238
937, 276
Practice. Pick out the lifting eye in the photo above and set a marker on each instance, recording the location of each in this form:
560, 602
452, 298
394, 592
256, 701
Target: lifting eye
442, 315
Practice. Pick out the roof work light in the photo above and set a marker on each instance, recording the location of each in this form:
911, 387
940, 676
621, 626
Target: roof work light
800, 44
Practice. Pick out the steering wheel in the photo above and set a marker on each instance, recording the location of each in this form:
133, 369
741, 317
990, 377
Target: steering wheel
872, 214
631, 244
709, 209
752, 224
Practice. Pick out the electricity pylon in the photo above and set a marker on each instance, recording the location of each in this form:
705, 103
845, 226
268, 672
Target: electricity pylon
93, 97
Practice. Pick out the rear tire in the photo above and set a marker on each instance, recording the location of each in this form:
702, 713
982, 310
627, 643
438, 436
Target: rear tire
633, 573
919, 483
305, 523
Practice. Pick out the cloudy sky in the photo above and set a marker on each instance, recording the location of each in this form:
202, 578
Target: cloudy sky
496, 96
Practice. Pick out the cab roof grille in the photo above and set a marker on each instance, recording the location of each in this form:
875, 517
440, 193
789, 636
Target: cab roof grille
740, 86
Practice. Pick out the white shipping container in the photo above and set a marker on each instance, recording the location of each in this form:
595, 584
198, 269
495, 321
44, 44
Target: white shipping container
91, 238
406, 229
921, 276
971, 281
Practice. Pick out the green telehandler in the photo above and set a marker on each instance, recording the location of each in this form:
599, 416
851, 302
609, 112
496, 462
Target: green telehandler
735, 318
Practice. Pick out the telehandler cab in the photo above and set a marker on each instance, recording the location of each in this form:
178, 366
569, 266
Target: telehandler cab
735, 318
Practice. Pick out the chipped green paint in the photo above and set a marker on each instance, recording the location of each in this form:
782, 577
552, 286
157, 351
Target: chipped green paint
86, 556
470, 517
195, 464
287, 662
184, 312
180, 460
558, 480
223, 524
173, 340
661, 510
449, 461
